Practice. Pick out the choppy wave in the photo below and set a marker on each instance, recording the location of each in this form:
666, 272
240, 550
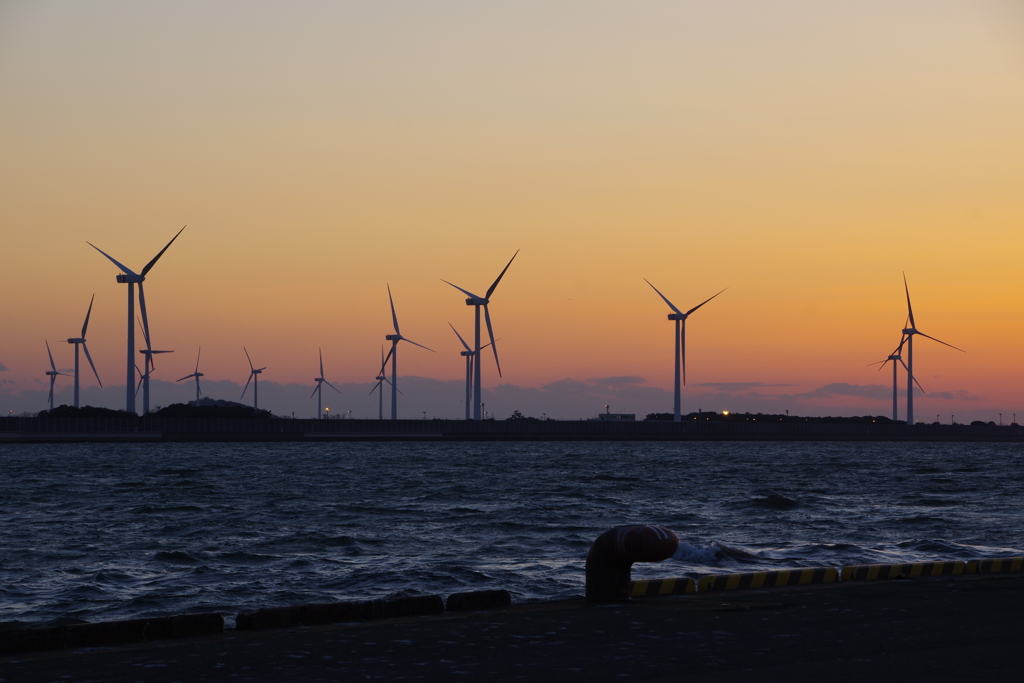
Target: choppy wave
119, 531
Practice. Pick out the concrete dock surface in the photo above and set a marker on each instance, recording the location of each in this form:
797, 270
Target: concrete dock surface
939, 629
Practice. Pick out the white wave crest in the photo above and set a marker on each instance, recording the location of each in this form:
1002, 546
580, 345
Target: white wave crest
696, 555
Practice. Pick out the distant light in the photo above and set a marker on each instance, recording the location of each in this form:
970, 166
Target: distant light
725, 412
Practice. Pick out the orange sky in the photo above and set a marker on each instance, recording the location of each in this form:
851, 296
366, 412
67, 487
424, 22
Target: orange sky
803, 155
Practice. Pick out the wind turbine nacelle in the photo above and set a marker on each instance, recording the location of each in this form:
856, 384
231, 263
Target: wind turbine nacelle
122, 278
393, 337
76, 341
677, 316
909, 331
472, 301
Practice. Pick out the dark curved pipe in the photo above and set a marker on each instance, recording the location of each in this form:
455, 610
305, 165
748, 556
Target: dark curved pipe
612, 556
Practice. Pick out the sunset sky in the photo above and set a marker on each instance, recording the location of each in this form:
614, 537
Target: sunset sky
804, 154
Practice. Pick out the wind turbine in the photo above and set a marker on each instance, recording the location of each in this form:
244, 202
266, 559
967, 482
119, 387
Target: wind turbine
148, 353
253, 375
131, 278
470, 355
81, 340
477, 302
680, 318
393, 355
381, 377
195, 374
910, 332
52, 372
320, 381
895, 358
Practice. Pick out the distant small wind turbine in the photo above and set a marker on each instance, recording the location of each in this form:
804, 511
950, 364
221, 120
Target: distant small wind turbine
148, 353
393, 355
131, 278
81, 340
470, 355
680, 355
896, 358
320, 382
910, 332
477, 302
254, 378
382, 376
195, 374
52, 372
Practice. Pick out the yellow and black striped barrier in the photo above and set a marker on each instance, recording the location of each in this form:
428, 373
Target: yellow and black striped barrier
776, 579
1006, 564
651, 587
913, 570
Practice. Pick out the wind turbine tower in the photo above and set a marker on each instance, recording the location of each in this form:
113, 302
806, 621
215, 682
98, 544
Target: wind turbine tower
131, 278
382, 377
477, 302
320, 382
148, 352
680, 355
393, 355
910, 332
81, 340
896, 359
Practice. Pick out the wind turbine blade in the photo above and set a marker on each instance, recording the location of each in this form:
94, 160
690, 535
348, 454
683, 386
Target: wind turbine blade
941, 342
185, 377
88, 313
384, 364
315, 390
157, 257
321, 362
197, 358
670, 304
52, 366
145, 318
490, 333
415, 344
466, 292
331, 386
394, 318
261, 369
910, 309
495, 285
460, 337
89, 358
375, 387
247, 384
702, 303
247, 358
125, 269
880, 363
53, 378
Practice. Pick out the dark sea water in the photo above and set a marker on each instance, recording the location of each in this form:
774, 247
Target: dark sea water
99, 532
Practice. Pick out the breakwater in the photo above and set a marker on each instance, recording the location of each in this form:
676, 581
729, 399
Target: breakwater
156, 429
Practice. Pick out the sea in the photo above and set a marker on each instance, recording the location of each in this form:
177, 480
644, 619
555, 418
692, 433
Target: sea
95, 532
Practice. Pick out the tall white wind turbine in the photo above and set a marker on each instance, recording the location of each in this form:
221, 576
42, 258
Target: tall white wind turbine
81, 340
470, 356
195, 374
320, 381
910, 331
393, 355
131, 278
53, 373
477, 302
254, 377
149, 365
680, 355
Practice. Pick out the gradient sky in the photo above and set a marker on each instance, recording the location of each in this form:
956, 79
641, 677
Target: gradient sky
803, 154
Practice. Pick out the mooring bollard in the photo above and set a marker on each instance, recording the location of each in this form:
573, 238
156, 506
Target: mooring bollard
611, 558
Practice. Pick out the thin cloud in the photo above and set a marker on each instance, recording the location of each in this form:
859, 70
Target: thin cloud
844, 389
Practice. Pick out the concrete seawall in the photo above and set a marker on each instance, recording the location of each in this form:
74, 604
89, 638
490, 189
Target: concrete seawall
152, 429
